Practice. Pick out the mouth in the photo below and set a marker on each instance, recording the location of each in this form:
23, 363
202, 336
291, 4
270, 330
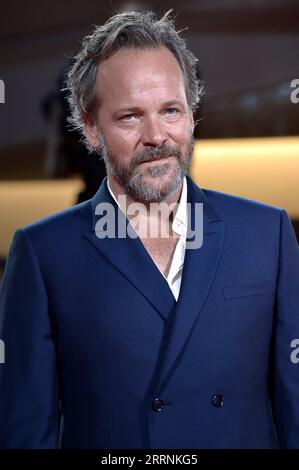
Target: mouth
159, 160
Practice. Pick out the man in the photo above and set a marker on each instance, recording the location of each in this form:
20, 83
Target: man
144, 341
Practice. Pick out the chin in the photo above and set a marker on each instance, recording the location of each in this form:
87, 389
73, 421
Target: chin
165, 189
156, 188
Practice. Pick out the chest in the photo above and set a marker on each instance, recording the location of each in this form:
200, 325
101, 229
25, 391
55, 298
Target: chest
161, 251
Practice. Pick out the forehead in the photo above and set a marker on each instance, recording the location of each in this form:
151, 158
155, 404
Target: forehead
140, 73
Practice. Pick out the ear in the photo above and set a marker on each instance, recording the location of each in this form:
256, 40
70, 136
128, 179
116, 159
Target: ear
91, 130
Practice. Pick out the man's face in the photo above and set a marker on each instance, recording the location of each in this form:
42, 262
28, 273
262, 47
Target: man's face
143, 123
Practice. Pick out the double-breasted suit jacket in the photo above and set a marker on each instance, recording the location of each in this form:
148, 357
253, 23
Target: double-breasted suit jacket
93, 332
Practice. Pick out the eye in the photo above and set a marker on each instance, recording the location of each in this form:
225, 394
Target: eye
128, 117
172, 111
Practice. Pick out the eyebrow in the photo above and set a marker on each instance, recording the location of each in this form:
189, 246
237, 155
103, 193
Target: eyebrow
132, 109
173, 103
129, 109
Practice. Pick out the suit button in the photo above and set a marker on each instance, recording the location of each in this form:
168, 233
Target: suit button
157, 404
218, 401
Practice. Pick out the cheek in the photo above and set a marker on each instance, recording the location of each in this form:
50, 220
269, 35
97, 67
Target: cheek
181, 137
181, 132
121, 142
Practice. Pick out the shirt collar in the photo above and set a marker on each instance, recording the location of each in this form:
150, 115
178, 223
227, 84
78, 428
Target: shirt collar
112, 193
179, 223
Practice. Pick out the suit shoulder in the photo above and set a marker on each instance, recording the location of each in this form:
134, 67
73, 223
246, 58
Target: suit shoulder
250, 219
229, 204
67, 219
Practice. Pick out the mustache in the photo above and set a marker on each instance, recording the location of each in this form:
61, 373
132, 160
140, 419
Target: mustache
156, 153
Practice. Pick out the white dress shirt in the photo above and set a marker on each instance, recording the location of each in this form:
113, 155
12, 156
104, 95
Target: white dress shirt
179, 226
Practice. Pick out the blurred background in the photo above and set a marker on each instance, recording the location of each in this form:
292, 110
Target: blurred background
248, 123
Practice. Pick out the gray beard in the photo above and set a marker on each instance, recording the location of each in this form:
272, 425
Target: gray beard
136, 184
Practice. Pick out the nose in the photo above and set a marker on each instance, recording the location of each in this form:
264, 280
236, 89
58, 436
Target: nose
153, 133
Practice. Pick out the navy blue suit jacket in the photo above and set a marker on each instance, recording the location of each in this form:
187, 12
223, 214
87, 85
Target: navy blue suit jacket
92, 330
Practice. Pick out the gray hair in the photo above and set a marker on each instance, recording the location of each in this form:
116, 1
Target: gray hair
127, 29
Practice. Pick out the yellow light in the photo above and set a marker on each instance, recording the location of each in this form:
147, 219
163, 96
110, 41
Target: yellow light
264, 169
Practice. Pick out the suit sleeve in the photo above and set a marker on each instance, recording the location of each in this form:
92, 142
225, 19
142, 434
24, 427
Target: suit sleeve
28, 380
286, 330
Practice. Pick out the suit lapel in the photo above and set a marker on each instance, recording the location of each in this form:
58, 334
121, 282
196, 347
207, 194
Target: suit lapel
199, 271
129, 256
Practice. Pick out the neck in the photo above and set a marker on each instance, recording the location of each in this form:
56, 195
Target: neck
146, 216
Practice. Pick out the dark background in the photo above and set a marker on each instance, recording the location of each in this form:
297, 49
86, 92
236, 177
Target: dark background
248, 53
